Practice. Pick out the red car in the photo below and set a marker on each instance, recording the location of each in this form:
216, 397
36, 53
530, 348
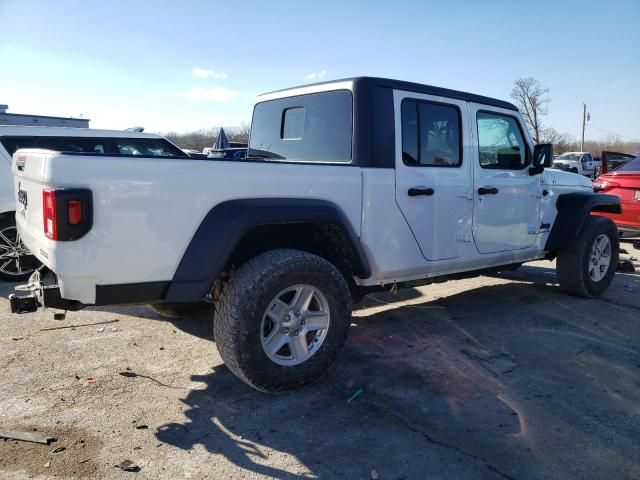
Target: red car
624, 182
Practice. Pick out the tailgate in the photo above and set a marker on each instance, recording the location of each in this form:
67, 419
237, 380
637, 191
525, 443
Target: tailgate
28, 175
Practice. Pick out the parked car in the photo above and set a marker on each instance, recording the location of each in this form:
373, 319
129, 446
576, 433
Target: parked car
352, 186
582, 163
613, 160
624, 182
235, 151
194, 153
16, 262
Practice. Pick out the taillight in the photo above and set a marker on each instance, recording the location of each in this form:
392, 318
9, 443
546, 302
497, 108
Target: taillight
49, 214
601, 185
66, 213
74, 212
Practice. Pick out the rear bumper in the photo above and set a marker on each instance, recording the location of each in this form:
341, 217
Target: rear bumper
37, 294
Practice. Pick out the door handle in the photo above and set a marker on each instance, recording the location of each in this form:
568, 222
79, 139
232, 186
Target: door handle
487, 191
414, 192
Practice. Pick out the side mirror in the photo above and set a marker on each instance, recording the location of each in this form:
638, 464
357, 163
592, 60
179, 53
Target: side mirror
542, 157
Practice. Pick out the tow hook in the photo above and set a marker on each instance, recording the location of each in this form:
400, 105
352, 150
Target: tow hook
23, 303
40, 295
31, 302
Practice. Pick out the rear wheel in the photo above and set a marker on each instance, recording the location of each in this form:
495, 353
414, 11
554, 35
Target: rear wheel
588, 267
282, 320
16, 262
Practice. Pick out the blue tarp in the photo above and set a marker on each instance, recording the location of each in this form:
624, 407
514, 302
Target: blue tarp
221, 141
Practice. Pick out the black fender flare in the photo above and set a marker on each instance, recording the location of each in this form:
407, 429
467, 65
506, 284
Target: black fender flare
573, 209
225, 225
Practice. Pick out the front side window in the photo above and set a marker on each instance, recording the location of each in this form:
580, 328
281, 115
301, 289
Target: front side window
313, 128
430, 134
500, 142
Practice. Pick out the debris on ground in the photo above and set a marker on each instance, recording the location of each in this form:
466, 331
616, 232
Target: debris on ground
84, 461
496, 363
128, 466
142, 427
78, 326
47, 465
28, 437
58, 450
625, 262
355, 395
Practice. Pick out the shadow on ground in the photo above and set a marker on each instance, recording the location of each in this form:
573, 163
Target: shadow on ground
504, 381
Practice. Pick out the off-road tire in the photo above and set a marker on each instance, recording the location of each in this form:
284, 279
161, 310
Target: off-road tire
244, 301
180, 310
572, 265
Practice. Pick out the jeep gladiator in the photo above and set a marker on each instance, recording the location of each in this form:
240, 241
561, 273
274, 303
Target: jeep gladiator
348, 186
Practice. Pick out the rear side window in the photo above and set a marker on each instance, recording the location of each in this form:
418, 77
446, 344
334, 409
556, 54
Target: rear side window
11, 144
293, 124
73, 144
500, 142
314, 128
147, 147
431, 134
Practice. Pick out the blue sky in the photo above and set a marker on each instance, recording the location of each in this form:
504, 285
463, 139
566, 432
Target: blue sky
199, 64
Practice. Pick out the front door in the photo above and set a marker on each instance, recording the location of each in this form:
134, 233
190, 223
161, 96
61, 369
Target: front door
433, 172
506, 197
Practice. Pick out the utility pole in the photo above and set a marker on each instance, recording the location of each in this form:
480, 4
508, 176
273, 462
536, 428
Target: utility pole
584, 121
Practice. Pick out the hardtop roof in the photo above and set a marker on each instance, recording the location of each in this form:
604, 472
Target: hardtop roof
412, 87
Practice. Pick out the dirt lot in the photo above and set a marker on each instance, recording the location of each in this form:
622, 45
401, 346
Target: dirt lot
493, 377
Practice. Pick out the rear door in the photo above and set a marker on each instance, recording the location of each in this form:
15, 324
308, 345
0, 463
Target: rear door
433, 174
506, 197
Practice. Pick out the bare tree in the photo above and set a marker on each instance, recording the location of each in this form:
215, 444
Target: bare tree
240, 134
562, 142
532, 99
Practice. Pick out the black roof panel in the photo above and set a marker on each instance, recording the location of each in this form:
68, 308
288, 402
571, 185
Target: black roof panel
418, 88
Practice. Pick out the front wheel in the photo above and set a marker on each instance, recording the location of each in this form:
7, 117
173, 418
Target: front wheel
587, 268
16, 262
282, 320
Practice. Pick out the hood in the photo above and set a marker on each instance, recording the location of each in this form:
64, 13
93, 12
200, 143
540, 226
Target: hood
565, 179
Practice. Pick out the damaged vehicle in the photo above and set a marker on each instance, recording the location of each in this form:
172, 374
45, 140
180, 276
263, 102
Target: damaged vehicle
349, 186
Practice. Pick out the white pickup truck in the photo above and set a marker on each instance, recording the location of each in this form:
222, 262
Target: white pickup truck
349, 186
581, 163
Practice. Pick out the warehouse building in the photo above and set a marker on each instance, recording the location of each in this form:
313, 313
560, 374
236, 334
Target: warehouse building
39, 120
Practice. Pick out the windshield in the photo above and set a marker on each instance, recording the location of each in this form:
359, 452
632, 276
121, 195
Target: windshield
569, 156
632, 166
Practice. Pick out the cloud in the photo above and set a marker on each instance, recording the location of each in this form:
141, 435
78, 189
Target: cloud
316, 75
208, 73
214, 94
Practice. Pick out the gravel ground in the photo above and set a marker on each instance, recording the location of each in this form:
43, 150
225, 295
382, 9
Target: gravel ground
494, 377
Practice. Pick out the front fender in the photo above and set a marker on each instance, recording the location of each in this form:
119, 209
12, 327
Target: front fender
573, 208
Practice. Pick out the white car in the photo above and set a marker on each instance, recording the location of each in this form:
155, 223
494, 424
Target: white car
581, 163
349, 186
16, 262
